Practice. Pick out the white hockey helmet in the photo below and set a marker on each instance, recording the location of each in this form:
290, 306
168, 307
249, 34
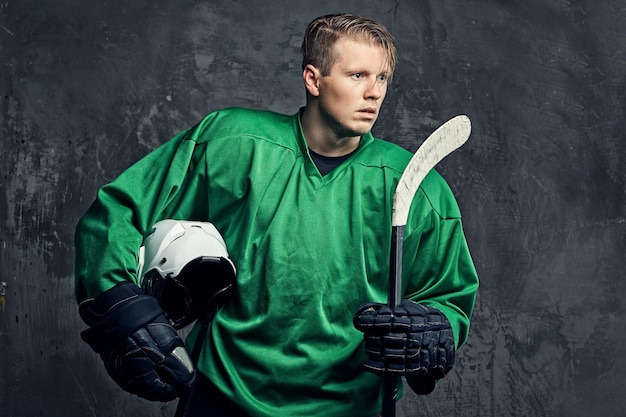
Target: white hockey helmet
185, 265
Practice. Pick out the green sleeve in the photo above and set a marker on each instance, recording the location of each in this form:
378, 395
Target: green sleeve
167, 183
440, 273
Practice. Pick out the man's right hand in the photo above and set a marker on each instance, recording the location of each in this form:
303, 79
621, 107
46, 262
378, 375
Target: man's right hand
141, 350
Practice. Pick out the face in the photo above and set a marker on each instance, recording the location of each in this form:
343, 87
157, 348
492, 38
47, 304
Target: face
350, 96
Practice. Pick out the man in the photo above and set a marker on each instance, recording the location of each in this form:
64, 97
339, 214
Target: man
304, 205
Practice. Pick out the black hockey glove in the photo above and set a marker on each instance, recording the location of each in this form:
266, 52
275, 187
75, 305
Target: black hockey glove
141, 350
411, 340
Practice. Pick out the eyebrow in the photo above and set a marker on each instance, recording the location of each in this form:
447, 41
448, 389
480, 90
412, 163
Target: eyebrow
349, 69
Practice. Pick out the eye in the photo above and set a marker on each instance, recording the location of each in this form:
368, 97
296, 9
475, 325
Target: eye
382, 77
357, 75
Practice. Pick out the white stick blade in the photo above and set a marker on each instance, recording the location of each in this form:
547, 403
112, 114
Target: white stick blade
443, 141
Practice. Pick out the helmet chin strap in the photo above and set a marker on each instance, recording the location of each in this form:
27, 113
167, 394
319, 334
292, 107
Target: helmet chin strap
141, 260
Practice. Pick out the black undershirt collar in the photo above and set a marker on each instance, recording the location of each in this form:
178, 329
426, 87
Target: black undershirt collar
325, 164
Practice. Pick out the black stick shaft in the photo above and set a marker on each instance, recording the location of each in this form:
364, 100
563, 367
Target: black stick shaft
395, 266
390, 383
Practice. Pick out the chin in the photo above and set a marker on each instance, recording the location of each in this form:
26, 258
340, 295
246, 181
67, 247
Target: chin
363, 128
351, 133
353, 128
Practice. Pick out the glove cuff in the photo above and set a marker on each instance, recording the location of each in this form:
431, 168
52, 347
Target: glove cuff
421, 384
116, 314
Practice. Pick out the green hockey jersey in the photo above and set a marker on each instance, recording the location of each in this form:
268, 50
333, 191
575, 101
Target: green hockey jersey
309, 250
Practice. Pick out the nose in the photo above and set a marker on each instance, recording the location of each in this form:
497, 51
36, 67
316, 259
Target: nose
375, 89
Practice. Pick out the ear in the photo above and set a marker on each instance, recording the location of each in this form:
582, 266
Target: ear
312, 76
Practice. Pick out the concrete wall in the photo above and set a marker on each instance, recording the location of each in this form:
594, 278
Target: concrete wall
86, 88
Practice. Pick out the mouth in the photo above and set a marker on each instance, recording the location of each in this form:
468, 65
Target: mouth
368, 112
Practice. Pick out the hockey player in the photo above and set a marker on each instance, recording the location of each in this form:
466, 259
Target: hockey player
303, 203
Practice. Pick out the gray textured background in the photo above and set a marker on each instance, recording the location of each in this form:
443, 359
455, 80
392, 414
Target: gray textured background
89, 87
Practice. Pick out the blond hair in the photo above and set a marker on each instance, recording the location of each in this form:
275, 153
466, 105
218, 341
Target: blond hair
323, 32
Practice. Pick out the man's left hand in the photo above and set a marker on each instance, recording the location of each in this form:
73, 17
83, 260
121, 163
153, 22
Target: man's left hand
411, 340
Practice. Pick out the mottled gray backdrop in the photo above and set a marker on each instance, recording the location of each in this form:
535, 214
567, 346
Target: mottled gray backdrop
86, 88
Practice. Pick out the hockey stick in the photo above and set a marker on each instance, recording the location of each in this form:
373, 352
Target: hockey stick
443, 141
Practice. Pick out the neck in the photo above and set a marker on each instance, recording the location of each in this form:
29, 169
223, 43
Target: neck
323, 139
